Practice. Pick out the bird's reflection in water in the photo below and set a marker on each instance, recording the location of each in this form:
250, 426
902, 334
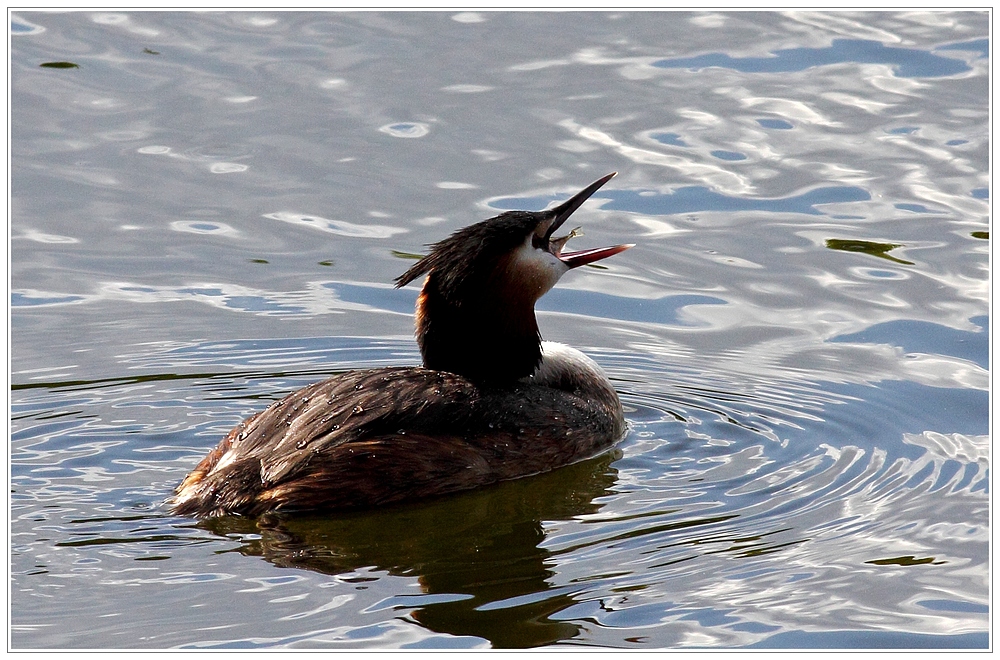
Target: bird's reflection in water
482, 545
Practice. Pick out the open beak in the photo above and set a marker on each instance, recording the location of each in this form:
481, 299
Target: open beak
584, 257
559, 215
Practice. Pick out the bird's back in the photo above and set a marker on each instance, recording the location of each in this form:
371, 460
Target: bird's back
371, 437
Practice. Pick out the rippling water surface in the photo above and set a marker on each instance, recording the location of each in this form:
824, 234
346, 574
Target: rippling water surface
209, 209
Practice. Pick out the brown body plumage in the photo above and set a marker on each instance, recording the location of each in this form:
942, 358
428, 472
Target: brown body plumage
490, 404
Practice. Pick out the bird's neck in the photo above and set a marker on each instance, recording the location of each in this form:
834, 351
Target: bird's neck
487, 339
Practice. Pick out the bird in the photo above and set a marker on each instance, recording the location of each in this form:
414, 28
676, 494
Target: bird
492, 401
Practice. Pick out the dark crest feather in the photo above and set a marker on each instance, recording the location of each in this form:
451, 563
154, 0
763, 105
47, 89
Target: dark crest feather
461, 257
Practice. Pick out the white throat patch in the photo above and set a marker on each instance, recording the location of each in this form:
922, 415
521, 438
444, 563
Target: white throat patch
537, 270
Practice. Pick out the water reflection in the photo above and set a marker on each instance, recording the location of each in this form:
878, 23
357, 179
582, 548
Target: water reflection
695, 199
907, 62
872, 248
479, 552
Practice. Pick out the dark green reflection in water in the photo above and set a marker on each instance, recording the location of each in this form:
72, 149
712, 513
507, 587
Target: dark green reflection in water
907, 560
399, 254
59, 65
482, 546
981, 234
880, 250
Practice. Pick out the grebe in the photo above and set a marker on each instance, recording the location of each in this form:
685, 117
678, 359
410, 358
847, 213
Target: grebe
492, 401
